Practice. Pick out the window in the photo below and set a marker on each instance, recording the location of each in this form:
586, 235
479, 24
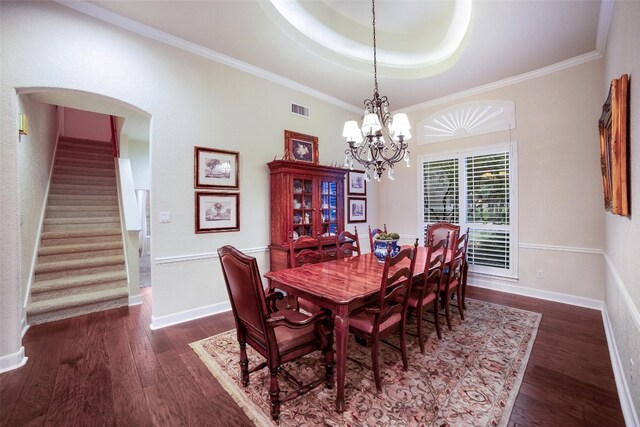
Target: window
475, 189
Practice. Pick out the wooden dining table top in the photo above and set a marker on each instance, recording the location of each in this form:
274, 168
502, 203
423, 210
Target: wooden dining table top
343, 280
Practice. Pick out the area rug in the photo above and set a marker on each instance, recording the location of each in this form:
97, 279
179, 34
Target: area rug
469, 378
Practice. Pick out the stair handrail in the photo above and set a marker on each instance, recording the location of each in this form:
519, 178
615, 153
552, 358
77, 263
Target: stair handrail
114, 136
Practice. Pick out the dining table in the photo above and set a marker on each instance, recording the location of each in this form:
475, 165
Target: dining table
341, 286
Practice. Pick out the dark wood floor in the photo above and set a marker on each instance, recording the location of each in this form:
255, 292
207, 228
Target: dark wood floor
109, 368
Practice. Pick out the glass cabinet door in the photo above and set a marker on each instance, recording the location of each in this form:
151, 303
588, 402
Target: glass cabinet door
302, 208
328, 208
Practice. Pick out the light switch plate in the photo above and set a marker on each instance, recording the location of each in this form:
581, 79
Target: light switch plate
165, 217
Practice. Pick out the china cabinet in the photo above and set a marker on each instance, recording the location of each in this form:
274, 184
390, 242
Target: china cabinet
306, 200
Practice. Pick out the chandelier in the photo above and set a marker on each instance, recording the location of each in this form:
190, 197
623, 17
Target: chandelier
384, 142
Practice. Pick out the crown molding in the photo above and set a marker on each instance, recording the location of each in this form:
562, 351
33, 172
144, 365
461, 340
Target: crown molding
171, 40
559, 66
604, 21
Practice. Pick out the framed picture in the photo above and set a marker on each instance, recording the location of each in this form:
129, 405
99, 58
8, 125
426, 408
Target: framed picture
613, 148
217, 212
215, 168
357, 184
357, 209
300, 147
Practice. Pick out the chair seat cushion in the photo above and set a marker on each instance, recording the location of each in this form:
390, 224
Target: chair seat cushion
289, 338
363, 322
426, 299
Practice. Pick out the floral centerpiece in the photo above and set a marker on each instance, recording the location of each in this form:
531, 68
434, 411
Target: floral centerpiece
382, 241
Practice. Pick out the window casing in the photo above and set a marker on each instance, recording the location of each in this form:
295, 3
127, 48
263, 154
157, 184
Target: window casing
475, 189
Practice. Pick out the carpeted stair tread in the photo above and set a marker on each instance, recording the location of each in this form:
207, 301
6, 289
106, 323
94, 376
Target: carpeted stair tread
93, 164
82, 146
86, 247
82, 171
69, 153
72, 227
78, 264
80, 186
71, 200
61, 198
78, 281
80, 233
92, 220
100, 211
80, 299
61, 178
82, 208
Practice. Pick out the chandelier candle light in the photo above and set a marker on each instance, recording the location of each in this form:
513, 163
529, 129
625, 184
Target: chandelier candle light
374, 152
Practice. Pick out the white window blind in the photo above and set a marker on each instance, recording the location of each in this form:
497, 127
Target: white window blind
474, 190
440, 183
488, 205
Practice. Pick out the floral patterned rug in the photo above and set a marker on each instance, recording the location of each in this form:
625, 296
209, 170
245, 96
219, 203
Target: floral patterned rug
469, 378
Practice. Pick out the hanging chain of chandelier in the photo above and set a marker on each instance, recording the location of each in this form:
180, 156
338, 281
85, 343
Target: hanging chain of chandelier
384, 143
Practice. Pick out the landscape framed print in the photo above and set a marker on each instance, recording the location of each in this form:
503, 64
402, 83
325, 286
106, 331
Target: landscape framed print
357, 184
217, 212
357, 209
214, 168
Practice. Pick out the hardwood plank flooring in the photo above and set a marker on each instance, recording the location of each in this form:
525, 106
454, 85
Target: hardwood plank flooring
110, 368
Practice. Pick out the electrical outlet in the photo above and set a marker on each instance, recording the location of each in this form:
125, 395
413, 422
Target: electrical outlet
539, 274
165, 217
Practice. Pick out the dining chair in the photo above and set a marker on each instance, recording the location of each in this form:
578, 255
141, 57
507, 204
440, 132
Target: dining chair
347, 243
387, 313
439, 231
373, 232
426, 291
279, 336
453, 284
304, 250
463, 245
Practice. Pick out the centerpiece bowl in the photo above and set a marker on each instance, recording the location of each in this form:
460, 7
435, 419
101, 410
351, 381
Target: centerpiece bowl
381, 243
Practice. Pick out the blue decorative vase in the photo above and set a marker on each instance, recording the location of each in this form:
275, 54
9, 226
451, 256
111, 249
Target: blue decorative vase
380, 248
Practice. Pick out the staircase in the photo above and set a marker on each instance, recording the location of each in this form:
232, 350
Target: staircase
81, 265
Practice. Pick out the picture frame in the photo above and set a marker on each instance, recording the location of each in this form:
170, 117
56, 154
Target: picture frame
215, 168
217, 212
612, 126
357, 209
356, 183
300, 147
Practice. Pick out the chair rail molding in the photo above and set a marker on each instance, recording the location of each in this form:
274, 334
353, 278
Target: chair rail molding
467, 119
205, 255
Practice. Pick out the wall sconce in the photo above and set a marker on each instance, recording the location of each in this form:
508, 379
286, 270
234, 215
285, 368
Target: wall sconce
22, 124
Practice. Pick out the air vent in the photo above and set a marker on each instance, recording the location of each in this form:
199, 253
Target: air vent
300, 110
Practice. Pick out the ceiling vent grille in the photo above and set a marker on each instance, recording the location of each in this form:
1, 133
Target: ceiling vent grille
300, 110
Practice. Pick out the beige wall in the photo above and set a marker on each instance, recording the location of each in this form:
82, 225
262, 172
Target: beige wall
622, 247
138, 152
36, 151
560, 219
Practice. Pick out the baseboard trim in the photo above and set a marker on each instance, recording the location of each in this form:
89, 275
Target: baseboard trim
498, 285
206, 255
135, 300
13, 361
624, 394
158, 322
